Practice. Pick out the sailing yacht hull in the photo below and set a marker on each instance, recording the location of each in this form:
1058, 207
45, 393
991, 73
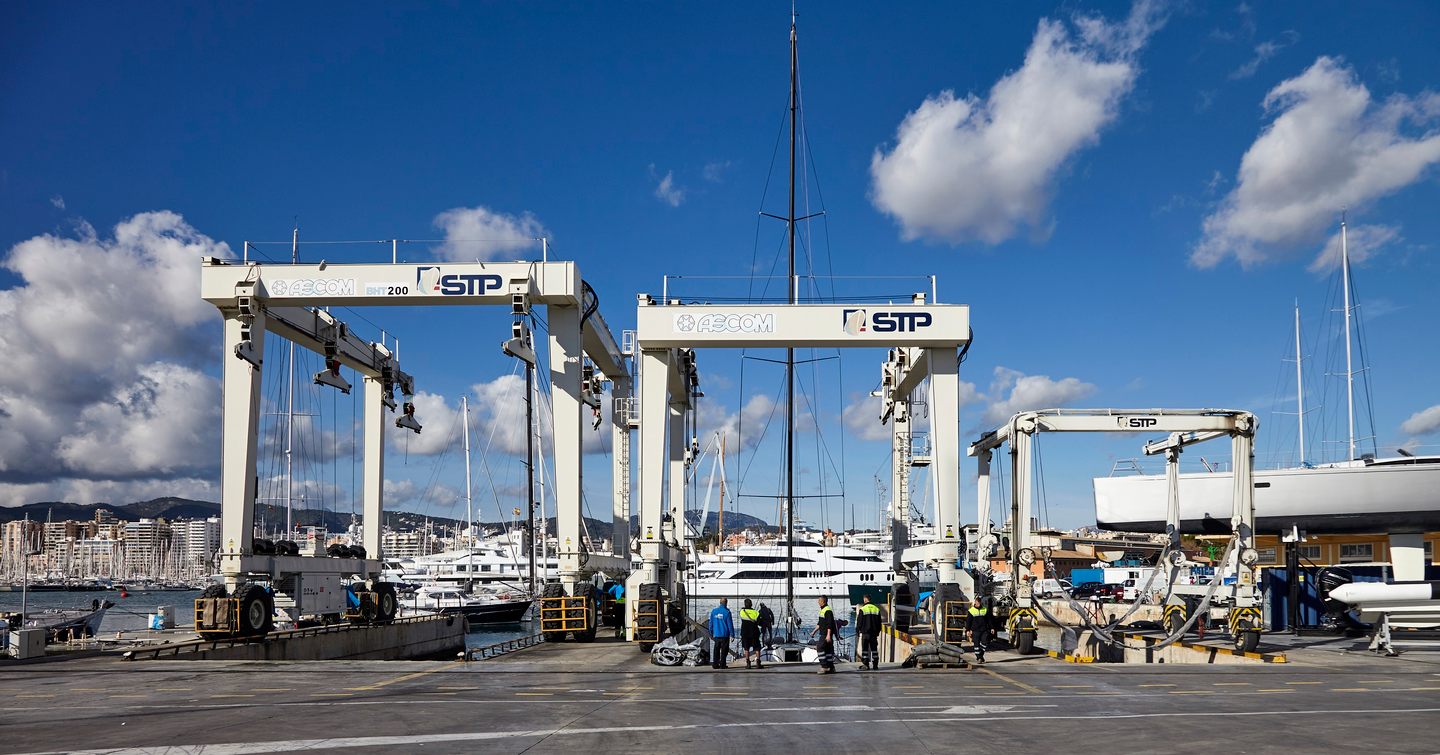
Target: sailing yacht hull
1383, 496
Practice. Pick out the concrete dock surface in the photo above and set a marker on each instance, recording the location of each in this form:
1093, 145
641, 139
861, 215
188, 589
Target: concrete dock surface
606, 697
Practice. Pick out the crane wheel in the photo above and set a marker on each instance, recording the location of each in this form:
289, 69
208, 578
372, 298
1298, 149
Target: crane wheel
257, 609
1025, 643
214, 591
553, 590
386, 604
587, 591
1247, 640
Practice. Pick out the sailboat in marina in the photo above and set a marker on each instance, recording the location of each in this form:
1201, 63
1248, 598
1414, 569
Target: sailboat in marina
1361, 493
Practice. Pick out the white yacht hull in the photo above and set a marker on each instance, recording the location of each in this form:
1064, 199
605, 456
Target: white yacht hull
1389, 495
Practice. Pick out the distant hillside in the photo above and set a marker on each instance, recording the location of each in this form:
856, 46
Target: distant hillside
734, 522
274, 516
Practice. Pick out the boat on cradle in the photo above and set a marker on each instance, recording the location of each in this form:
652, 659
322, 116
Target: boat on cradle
488, 607
61, 624
1366, 495
751, 571
1361, 494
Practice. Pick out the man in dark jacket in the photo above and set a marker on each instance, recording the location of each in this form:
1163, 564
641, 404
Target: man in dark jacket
767, 625
750, 633
867, 626
829, 631
977, 626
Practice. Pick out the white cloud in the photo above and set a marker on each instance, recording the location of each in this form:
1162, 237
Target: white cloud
497, 422
1328, 147
58, 202
966, 168
1265, 51
410, 494
101, 395
714, 172
744, 429
163, 423
862, 419
862, 414
479, 233
1423, 422
665, 189
1012, 392
1363, 242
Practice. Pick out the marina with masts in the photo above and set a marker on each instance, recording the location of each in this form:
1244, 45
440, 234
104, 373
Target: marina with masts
599, 615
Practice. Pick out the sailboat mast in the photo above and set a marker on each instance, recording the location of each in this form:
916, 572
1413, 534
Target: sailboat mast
1349, 370
1299, 384
791, 285
530, 468
469, 504
290, 405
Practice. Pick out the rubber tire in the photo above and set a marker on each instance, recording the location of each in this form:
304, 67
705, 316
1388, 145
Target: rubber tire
1246, 640
944, 593
386, 604
587, 591
651, 591
1173, 621
257, 609
214, 591
646, 647
553, 590
1025, 643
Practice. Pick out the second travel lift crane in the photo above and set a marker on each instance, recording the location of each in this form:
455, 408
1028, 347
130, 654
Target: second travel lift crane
1186, 426
576, 331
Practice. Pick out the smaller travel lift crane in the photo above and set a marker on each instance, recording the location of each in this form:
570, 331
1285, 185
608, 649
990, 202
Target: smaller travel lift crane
1186, 427
260, 575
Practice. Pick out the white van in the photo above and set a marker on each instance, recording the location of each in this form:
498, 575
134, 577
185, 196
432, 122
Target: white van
1050, 588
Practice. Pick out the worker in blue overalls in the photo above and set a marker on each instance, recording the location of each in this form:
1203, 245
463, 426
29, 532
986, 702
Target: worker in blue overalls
722, 628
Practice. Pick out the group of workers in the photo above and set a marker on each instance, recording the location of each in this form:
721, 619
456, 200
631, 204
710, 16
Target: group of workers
757, 627
757, 630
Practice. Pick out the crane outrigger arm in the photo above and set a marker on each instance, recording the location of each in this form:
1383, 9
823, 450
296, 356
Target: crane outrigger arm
319, 331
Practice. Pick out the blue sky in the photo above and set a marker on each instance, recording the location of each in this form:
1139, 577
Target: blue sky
1131, 199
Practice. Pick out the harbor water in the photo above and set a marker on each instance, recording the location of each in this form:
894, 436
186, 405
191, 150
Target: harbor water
132, 613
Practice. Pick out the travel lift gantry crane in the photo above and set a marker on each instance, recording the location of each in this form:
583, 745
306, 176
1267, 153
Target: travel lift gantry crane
1186, 427
254, 297
902, 373
667, 334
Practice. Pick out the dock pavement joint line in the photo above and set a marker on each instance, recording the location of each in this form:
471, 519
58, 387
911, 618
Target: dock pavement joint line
409, 741
1022, 685
408, 677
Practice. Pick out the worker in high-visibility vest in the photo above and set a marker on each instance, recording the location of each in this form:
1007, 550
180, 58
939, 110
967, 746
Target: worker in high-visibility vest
977, 626
750, 633
828, 631
867, 626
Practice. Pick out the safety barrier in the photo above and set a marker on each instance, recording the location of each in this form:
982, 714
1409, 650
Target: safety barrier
192, 646
486, 652
565, 614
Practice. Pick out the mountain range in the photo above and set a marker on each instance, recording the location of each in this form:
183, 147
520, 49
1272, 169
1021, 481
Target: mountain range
333, 521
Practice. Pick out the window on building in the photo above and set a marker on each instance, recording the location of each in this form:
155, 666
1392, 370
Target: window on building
1429, 551
1357, 552
1310, 552
1266, 555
